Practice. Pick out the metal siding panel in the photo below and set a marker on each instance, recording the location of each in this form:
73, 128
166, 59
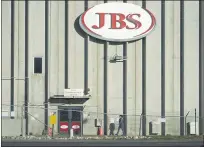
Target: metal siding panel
6, 54
176, 66
72, 44
191, 58
38, 47
169, 70
76, 46
16, 59
153, 66
94, 57
20, 39
61, 48
54, 47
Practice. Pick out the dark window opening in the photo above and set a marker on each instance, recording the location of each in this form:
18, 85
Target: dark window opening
64, 116
76, 116
37, 65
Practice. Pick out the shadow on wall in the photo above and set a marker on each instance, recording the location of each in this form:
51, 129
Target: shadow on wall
92, 39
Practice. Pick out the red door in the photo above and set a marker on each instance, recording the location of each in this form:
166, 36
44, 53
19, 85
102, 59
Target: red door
70, 116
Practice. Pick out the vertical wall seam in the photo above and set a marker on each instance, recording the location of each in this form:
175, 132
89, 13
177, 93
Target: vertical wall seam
125, 84
18, 63
125, 88
1, 57
182, 67
105, 85
163, 66
26, 65
58, 54
86, 56
66, 45
12, 55
201, 71
144, 80
105, 88
46, 62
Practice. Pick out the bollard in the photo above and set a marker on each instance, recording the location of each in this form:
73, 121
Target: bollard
71, 133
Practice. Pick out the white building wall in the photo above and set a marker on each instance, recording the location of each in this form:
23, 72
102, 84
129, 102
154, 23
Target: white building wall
96, 59
6, 54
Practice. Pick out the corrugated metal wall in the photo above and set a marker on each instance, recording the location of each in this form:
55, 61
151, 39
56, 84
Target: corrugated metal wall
85, 63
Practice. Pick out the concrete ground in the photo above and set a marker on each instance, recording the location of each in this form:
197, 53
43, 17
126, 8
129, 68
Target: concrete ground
89, 143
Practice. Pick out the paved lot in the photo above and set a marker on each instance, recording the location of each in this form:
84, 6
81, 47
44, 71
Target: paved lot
89, 143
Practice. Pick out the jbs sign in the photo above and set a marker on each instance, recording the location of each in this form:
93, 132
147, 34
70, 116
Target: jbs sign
118, 22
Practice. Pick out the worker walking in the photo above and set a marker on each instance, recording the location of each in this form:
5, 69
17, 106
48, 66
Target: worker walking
121, 125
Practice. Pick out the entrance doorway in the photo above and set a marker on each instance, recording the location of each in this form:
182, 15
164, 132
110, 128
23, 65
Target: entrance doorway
70, 117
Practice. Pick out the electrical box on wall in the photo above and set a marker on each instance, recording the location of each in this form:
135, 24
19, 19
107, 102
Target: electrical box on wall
192, 128
97, 123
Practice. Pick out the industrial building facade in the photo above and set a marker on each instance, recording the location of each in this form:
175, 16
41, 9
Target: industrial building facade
44, 51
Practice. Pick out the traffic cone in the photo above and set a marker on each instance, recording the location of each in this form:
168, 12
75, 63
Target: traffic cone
100, 131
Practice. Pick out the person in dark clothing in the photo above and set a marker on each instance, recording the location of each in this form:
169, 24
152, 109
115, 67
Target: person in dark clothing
121, 125
112, 128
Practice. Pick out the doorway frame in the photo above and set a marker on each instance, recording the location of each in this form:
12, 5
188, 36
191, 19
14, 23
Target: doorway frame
70, 108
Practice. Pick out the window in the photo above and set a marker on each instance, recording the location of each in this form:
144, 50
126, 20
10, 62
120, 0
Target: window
76, 116
37, 65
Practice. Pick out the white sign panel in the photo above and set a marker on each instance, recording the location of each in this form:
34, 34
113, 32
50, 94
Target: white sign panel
73, 92
117, 22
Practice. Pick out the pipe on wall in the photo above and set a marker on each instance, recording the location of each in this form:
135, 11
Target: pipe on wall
163, 66
125, 88
105, 85
182, 67
125, 85
86, 39
26, 65
201, 68
12, 56
46, 62
105, 75
144, 80
66, 45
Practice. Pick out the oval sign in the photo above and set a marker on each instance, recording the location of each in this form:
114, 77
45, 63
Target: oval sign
64, 126
75, 126
117, 22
